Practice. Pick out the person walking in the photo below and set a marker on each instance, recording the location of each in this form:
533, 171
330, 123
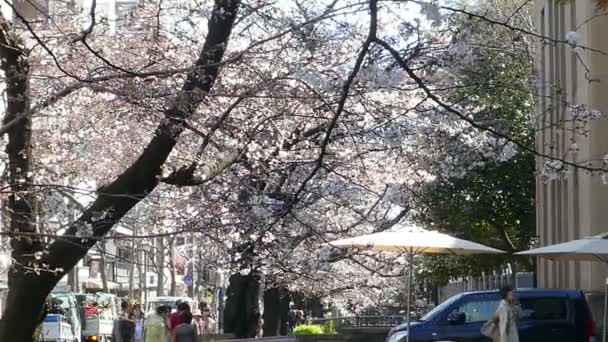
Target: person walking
138, 320
292, 317
185, 331
199, 323
210, 323
156, 328
502, 327
175, 317
124, 327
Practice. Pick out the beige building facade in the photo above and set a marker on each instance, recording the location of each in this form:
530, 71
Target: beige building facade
574, 203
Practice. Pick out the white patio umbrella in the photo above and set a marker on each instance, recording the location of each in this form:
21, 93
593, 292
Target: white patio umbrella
593, 248
413, 240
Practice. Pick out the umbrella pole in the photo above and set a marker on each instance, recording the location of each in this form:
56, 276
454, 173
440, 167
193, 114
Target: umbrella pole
409, 295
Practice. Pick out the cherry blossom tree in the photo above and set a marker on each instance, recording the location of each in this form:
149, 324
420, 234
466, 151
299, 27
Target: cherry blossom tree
29, 286
264, 129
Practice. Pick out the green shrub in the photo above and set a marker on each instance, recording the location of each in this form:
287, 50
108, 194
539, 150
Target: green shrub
308, 329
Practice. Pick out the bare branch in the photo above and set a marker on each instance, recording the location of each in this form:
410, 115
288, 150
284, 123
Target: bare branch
450, 109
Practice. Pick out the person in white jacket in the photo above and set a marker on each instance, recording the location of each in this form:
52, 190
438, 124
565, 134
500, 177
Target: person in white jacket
506, 316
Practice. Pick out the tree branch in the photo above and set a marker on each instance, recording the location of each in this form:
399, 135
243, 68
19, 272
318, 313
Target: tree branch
435, 98
136, 182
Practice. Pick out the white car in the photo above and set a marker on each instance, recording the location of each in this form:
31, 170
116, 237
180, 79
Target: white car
154, 303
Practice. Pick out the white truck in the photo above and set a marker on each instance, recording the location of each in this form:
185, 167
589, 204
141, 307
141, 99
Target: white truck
57, 328
100, 311
63, 325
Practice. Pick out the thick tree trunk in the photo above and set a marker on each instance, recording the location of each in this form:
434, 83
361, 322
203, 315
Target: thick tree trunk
276, 310
173, 284
272, 316
27, 290
23, 279
242, 305
24, 306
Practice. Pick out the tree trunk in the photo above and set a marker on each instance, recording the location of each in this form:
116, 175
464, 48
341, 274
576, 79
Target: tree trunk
160, 266
272, 316
173, 285
141, 271
131, 261
103, 267
199, 268
242, 305
190, 272
28, 290
23, 279
276, 311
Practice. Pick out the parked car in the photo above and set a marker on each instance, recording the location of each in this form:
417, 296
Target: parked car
549, 315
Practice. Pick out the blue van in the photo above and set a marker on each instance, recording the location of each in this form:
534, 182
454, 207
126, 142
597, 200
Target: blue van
549, 315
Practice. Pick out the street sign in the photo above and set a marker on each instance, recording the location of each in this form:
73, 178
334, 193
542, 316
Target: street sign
188, 280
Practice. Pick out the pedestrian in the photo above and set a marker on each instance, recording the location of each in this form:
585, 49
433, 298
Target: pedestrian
209, 321
124, 327
125, 309
292, 317
502, 327
155, 326
56, 307
175, 317
138, 320
185, 331
199, 324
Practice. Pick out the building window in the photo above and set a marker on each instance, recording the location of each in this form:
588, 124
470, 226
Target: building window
124, 255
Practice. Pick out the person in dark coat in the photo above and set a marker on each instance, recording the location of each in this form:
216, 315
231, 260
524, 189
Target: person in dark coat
124, 327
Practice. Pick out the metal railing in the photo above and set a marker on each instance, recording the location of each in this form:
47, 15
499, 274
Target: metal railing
485, 282
362, 321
